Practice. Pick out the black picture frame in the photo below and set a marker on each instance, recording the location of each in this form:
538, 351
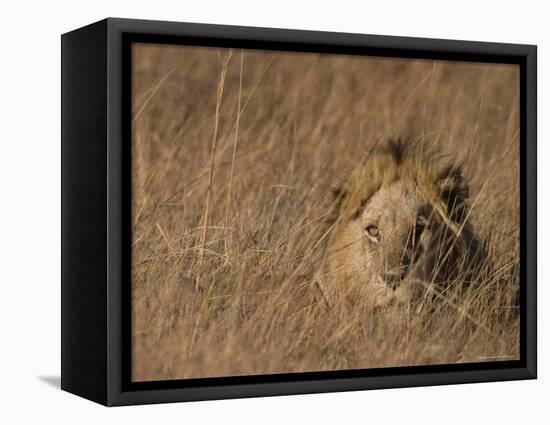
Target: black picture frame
96, 88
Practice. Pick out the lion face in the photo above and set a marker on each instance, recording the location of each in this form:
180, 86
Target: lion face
394, 232
394, 229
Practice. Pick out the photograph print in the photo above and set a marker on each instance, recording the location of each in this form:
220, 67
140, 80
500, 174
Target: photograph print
305, 212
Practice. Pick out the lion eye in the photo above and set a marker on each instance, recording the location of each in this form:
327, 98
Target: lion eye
372, 231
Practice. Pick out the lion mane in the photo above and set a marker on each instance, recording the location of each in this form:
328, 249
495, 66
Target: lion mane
440, 179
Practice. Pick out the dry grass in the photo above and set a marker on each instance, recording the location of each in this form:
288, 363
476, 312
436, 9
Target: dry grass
234, 156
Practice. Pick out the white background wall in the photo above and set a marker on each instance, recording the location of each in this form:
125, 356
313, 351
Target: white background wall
30, 210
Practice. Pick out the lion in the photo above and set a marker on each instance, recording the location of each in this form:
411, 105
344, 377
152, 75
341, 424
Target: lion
402, 226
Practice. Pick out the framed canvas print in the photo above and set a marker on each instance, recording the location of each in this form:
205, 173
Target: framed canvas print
253, 212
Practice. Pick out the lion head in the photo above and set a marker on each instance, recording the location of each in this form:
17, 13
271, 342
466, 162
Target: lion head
402, 224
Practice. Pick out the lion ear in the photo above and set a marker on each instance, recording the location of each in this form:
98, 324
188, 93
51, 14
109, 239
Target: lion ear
454, 192
339, 194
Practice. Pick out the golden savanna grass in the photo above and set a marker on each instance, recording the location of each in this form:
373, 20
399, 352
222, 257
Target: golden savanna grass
234, 156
